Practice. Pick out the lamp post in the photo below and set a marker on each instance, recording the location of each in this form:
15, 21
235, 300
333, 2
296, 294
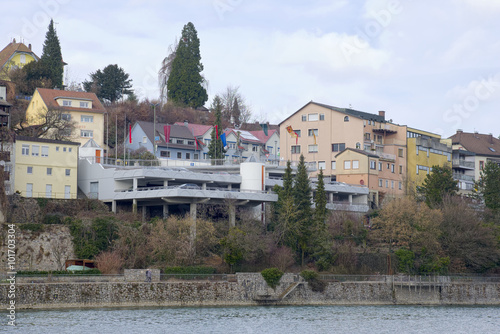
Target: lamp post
275, 150
154, 105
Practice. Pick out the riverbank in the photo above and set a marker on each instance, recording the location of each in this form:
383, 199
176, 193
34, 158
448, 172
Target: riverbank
250, 289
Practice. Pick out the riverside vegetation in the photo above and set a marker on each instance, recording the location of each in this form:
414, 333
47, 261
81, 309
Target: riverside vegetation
407, 235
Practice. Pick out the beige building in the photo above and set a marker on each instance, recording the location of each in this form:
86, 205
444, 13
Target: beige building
82, 108
45, 167
323, 131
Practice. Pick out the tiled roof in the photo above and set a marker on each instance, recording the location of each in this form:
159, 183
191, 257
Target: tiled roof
347, 111
371, 155
262, 136
245, 136
196, 129
12, 48
176, 131
49, 97
45, 140
481, 144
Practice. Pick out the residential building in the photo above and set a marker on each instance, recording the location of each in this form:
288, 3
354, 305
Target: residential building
201, 132
471, 152
425, 149
242, 144
15, 55
271, 143
320, 132
45, 167
82, 108
182, 144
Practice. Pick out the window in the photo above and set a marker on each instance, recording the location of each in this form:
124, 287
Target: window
66, 117
49, 171
304, 118
35, 150
312, 117
379, 166
373, 164
25, 150
400, 185
45, 151
338, 147
64, 149
334, 165
179, 155
68, 172
30, 170
255, 148
196, 156
57, 148
312, 132
144, 140
387, 183
400, 169
481, 165
191, 142
69, 149
180, 141
298, 132
380, 182
313, 148
355, 164
321, 117
87, 119
347, 164
86, 133
492, 149
165, 154
322, 165
392, 168
424, 168
346, 119
84, 104
367, 136
22, 59
358, 145
67, 103
188, 156
392, 184
295, 149
400, 152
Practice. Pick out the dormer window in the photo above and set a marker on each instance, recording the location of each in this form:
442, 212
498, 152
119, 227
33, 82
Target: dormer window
66, 103
84, 104
492, 149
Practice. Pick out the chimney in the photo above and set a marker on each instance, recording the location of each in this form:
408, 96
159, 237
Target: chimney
459, 131
490, 138
381, 113
186, 123
29, 46
14, 41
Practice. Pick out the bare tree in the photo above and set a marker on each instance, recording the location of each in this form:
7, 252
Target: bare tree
52, 124
236, 110
166, 68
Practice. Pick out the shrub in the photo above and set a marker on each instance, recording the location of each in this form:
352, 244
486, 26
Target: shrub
31, 227
189, 272
309, 275
109, 262
272, 276
312, 278
53, 218
406, 260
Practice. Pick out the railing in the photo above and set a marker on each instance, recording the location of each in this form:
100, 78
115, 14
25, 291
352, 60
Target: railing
463, 177
43, 194
459, 163
388, 156
192, 277
196, 188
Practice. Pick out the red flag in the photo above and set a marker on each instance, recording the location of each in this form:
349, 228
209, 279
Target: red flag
166, 130
196, 141
130, 133
216, 132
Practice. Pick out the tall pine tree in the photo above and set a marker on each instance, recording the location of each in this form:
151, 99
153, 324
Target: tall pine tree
185, 82
320, 210
302, 197
52, 57
216, 148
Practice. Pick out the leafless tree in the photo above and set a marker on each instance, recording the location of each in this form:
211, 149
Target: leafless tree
236, 109
166, 68
53, 124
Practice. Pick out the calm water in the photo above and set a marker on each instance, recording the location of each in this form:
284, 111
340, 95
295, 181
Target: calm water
286, 319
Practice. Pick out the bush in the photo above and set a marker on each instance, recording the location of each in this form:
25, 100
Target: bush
309, 275
272, 276
406, 260
53, 218
109, 262
31, 227
312, 278
189, 272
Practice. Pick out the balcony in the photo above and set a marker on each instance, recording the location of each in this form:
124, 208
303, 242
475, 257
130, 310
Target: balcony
460, 163
387, 156
463, 177
385, 128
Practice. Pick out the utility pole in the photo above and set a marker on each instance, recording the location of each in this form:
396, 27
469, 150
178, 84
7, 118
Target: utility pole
154, 105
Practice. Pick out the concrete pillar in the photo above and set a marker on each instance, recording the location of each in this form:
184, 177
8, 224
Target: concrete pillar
165, 183
232, 216
330, 197
229, 187
144, 211
165, 211
350, 199
113, 206
134, 206
192, 212
204, 186
134, 184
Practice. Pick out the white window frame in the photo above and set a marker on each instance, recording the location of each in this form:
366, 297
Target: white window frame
29, 170
67, 103
84, 104
322, 165
87, 133
355, 164
347, 164
45, 151
334, 165
35, 150
25, 149
312, 148
313, 117
87, 119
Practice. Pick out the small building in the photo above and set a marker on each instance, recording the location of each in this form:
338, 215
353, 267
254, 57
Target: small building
15, 55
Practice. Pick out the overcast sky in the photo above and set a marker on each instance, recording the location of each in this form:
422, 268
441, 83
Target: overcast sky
432, 65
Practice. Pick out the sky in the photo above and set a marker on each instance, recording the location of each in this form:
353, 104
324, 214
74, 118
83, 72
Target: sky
431, 65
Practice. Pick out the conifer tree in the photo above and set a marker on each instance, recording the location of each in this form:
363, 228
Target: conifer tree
302, 199
488, 186
320, 211
185, 82
52, 57
215, 148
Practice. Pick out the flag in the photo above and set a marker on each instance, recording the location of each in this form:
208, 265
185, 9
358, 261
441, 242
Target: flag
196, 143
314, 135
264, 128
130, 133
296, 138
216, 131
166, 130
290, 130
223, 138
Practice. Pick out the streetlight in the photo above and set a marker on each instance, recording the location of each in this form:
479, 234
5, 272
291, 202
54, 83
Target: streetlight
154, 105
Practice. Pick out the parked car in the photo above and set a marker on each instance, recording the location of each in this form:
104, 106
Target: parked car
189, 186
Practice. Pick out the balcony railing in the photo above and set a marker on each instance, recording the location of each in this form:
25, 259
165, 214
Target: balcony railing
463, 177
459, 163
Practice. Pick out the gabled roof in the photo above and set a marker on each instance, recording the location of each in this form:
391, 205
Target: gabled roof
368, 154
176, 131
245, 136
49, 97
91, 143
481, 144
11, 49
347, 111
262, 136
197, 130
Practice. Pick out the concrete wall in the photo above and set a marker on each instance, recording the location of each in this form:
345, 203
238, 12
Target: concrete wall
248, 289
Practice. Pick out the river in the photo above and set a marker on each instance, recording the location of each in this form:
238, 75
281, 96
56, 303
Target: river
282, 319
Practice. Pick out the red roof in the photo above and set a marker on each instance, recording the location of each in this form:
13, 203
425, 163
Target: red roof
49, 97
262, 136
11, 49
196, 129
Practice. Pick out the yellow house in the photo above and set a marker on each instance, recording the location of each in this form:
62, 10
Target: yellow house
15, 55
82, 108
424, 149
45, 167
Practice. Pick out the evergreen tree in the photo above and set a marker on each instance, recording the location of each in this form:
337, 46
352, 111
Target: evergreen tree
52, 57
489, 185
302, 200
235, 112
185, 83
438, 184
216, 148
320, 211
109, 84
